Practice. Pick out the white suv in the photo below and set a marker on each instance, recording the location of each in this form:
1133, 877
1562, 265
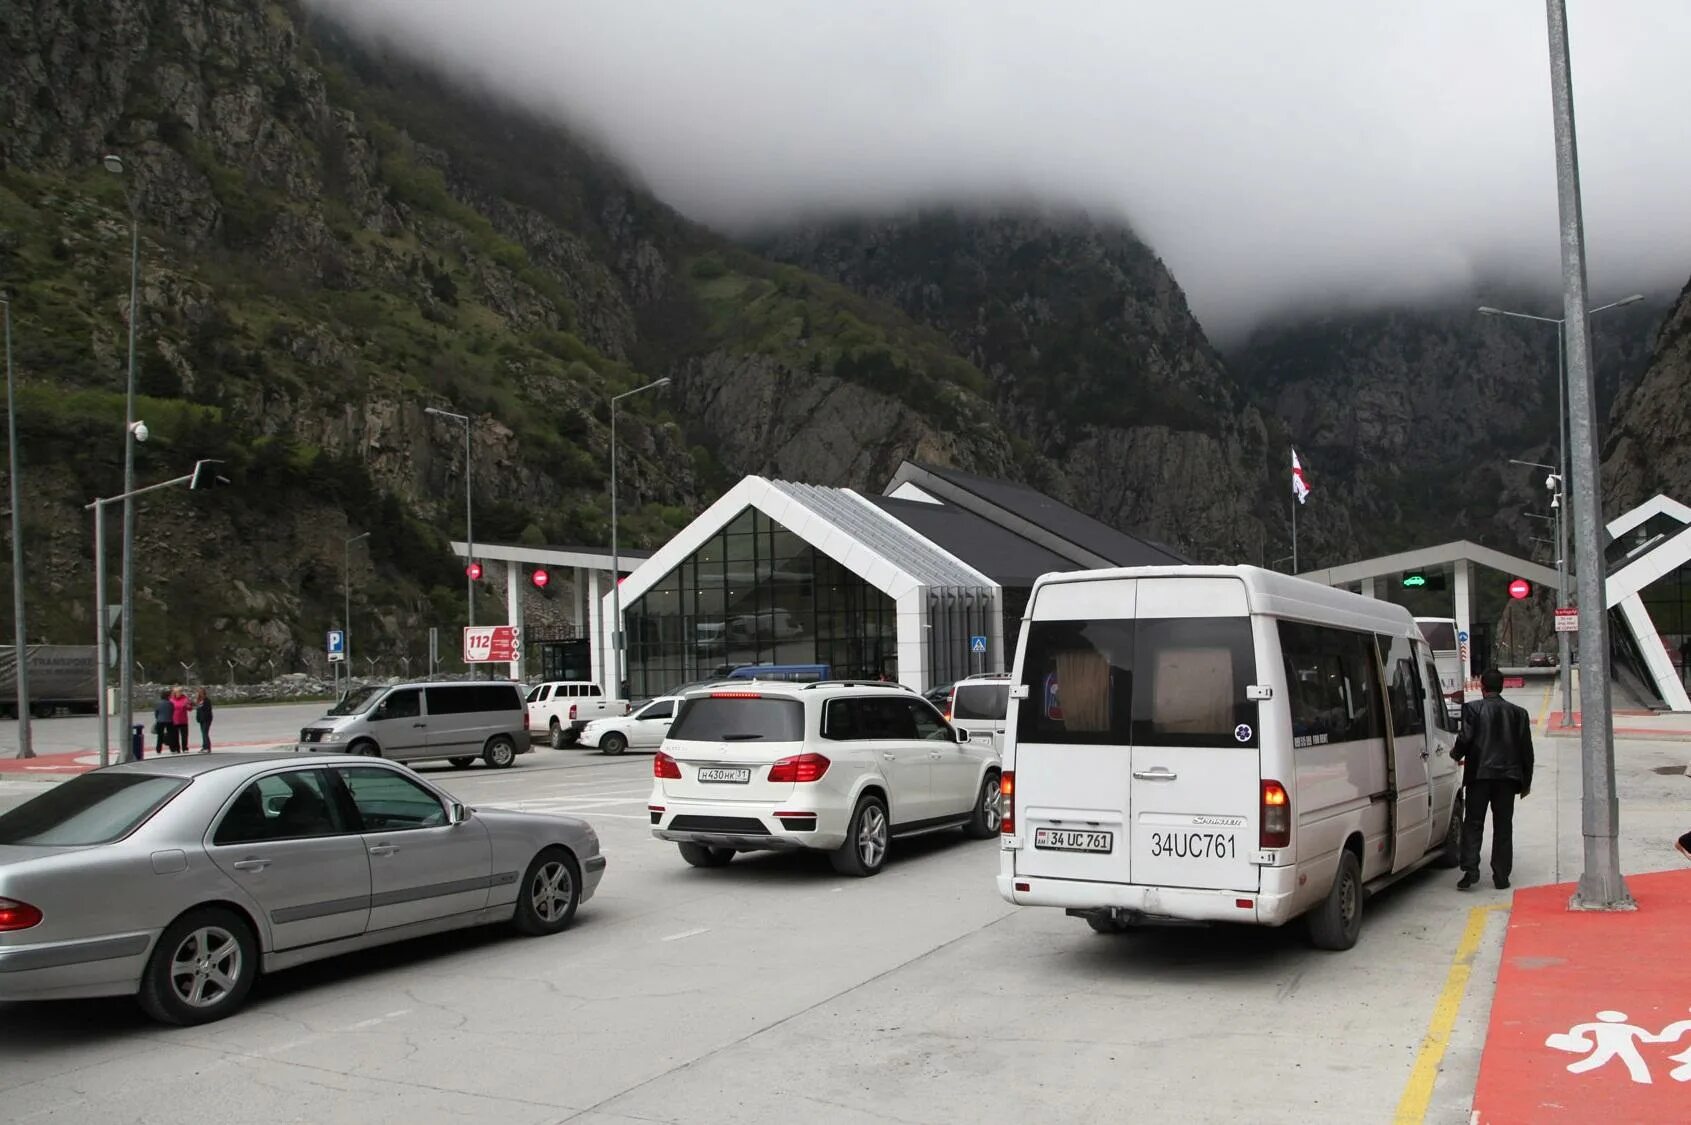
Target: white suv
838, 767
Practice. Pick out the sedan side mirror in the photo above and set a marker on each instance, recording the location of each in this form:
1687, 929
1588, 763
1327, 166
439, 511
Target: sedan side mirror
457, 813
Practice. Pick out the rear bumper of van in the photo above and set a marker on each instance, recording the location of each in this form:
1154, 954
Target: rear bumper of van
1271, 906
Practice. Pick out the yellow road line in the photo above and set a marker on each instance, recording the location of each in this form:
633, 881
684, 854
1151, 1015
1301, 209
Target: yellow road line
1544, 712
1412, 1108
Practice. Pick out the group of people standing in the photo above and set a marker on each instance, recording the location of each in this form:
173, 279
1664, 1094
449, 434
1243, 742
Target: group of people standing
170, 719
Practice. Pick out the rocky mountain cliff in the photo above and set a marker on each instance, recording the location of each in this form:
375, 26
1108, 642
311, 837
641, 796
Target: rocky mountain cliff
333, 237
1096, 362
1406, 419
1648, 449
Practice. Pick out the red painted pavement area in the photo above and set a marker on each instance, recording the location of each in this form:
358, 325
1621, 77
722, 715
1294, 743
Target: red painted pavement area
1560, 969
81, 761
1673, 731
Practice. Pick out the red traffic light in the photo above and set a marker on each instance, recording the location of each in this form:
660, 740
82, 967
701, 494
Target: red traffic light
474, 571
1520, 588
540, 579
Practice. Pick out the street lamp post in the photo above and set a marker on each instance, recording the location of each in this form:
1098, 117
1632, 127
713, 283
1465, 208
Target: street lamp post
1560, 469
469, 516
346, 592
26, 748
1600, 884
203, 476
614, 686
126, 641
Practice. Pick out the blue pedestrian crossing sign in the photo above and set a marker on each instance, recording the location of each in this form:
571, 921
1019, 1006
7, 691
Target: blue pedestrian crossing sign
977, 645
335, 644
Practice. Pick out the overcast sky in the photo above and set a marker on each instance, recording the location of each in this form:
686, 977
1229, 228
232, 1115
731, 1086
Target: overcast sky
1296, 153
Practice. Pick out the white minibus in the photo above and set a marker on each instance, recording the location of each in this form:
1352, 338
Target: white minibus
1221, 744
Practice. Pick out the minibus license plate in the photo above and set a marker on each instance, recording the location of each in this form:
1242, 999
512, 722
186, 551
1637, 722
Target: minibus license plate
1064, 840
731, 776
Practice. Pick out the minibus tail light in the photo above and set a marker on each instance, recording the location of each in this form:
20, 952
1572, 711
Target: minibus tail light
1276, 823
1007, 802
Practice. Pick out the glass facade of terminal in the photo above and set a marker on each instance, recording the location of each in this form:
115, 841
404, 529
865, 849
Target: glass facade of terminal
755, 593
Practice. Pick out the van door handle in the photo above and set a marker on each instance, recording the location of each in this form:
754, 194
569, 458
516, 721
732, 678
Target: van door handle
1157, 773
250, 864
383, 849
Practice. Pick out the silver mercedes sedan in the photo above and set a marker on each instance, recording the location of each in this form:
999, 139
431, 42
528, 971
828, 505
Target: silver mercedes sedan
179, 879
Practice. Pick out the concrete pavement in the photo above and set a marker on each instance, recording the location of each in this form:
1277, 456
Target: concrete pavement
772, 990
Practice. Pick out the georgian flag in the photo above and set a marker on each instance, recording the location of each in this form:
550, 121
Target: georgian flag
1300, 487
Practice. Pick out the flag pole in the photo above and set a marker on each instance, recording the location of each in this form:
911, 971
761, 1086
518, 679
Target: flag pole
1294, 519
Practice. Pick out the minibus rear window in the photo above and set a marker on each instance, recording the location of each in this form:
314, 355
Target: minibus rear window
1154, 681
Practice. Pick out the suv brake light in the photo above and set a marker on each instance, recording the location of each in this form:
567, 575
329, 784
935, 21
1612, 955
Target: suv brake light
572, 710
799, 769
1007, 802
664, 766
1275, 829
15, 915
736, 695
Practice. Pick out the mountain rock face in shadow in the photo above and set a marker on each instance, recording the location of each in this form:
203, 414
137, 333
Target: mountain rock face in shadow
1096, 363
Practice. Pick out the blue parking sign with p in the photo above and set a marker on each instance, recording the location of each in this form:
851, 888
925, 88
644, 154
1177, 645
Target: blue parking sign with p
336, 641
977, 645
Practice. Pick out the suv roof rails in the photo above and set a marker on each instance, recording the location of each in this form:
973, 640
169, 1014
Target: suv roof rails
858, 683
984, 676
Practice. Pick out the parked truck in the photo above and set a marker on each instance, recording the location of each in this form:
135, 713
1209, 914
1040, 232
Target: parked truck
61, 677
558, 709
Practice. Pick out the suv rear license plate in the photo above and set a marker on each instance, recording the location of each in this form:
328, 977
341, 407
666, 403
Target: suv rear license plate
718, 773
1063, 840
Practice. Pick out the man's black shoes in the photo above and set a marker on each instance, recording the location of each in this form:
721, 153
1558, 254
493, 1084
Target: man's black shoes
1468, 880
1501, 884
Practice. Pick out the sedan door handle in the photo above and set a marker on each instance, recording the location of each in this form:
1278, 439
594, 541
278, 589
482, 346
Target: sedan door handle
1158, 773
250, 864
419, 724
890, 757
383, 849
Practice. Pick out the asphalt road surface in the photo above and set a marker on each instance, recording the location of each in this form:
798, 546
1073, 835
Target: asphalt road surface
772, 990
231, 726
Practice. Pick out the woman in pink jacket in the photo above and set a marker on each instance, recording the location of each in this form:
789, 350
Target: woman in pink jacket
180, 707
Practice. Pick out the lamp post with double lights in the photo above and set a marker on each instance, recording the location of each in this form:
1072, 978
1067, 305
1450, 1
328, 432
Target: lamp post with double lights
126, 637
1560, 471
1554, 483
615, 684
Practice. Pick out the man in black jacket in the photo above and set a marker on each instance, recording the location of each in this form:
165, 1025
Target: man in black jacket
1495, 749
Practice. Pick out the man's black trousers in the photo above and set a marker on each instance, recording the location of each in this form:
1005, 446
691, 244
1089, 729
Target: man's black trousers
1499, 797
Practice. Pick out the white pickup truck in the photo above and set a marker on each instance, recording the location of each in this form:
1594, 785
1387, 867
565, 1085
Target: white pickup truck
558, 709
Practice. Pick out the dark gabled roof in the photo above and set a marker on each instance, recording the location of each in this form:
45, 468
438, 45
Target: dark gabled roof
1000, 554
1056, 518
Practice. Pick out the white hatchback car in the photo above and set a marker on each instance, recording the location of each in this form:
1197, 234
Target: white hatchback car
645, 729
839, 767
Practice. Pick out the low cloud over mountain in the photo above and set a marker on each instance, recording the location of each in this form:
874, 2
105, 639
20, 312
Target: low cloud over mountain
1278, 156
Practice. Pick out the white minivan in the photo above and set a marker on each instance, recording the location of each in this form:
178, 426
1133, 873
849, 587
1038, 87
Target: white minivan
1222, 744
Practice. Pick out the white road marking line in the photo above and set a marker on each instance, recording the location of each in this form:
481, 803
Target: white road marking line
363, 1024
687, 934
